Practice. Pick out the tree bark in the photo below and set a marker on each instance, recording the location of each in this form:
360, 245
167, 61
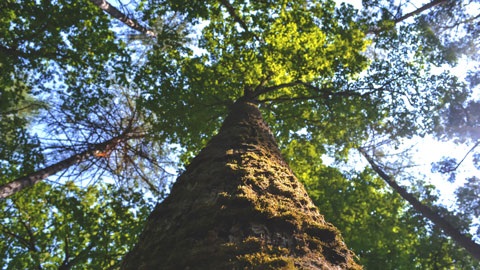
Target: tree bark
239, 206
31, 179
461, 239
114, 12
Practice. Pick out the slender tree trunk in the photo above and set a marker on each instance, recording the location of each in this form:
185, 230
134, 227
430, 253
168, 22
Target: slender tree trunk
239, 206
420, 10
31, 179
423, 8
114, 12
461, 239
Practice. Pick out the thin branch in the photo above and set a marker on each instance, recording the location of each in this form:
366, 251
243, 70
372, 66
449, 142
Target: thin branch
463, 159
31, 241
33, 105
233, 13
456, 24
65, 264
323, 93
152, 187
263, 90
236, 17
16, 236
289, 99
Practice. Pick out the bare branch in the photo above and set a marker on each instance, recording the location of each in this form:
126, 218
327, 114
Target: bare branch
35, 177
463, 159
132, 23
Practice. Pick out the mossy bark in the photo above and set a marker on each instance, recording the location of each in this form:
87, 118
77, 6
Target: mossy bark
239, 206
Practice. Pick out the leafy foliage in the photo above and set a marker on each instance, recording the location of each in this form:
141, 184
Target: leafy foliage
19, 151
41, 42
56, 58
264, 51
67, 227
446, 166
382, 230
461, 122
47, 46
327, 79
468, 197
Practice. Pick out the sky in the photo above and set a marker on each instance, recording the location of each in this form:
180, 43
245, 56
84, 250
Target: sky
428, 150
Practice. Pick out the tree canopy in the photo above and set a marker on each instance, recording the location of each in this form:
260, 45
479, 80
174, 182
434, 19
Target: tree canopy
329, 79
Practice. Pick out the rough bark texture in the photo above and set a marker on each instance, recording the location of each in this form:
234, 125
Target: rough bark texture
239, 206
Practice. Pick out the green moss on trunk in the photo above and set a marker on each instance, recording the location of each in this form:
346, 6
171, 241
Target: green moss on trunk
239, 206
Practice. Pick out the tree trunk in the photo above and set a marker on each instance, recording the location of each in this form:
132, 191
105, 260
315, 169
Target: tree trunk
461, 239
96, 150
423, 8
420, 10
239, 206
114, 12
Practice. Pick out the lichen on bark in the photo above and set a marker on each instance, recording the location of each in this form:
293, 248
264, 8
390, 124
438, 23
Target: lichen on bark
239, 206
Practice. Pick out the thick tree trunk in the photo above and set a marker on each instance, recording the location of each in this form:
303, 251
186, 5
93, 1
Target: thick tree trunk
239, 206
461, 239
97, 150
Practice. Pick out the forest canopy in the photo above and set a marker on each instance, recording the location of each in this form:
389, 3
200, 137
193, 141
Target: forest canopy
103, 104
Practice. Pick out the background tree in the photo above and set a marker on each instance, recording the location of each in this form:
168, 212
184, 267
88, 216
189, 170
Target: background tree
114, 139
450, 34
356, 199
445, 225
56, 67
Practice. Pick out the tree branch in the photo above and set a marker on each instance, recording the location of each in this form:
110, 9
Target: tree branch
37, 176
376, 30
419, 10
463, 159
114, 12
236, 18
321, 92
263, 90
